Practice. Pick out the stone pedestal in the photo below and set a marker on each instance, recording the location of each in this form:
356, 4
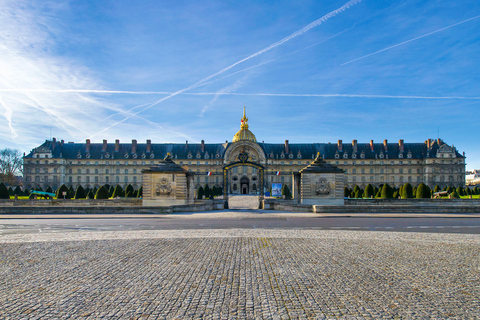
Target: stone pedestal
167, 184
321, 184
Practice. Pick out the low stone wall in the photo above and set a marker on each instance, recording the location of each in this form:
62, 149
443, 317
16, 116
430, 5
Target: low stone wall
112, 209
285, 205
412, 202
380, 206
72, 203
397, 209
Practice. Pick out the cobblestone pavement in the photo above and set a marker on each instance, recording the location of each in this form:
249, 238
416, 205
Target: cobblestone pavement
243, 202
239, 274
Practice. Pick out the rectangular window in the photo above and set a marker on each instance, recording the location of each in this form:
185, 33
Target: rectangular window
371, 170
79, 171
96, 179
135, 179
134, 170
126, 171
107, 179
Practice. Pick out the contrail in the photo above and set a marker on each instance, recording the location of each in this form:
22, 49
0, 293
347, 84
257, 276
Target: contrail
337, 95
8, 116
419, 37
82, 91
276, 44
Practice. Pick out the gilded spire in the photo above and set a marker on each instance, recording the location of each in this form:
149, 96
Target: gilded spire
244, 121
244, 134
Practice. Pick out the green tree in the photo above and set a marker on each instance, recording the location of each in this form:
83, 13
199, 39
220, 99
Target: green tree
102, 193
4, 191
355, 189
378, 194
387, 192
129, 190
358, 194
90, 195
10, 191
118, 192
436, 188
286, 192
460, 191
140, 192
49, 189
407, 191
17, 190
454, 194
200, 193
369, 191
468, 192
206, 191
63, 188
423, 191
346, 192
80, 193
396, 194
110, 189
71, 192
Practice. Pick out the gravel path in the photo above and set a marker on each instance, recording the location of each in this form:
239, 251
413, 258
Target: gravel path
239, 274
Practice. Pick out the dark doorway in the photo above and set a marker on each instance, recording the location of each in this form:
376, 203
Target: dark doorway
244, 183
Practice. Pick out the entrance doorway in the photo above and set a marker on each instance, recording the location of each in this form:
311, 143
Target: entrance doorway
244, 183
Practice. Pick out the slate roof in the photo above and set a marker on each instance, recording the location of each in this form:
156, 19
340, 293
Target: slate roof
217, 150
321, 166
165, 165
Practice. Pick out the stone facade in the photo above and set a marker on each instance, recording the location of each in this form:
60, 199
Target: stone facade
93, 164
167, 184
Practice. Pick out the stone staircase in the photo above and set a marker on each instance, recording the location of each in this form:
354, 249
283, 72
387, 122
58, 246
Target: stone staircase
243, 202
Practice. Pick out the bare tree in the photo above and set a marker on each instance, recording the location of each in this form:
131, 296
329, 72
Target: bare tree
11, 165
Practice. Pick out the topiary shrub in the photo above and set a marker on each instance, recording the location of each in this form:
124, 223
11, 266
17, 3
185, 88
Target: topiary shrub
346, 192
90, 195
102, 193
200, 193
63, 188
129, 190
118, 192
4, 192
423, 191
286, 192
140, 192
369, 191
80, 193
387, 192
454, 195
358, 194
406, 191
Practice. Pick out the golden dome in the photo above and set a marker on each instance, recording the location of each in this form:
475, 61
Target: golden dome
244, 133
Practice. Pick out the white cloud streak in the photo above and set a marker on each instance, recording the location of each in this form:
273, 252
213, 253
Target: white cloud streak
270, 47
414, 39
227, 92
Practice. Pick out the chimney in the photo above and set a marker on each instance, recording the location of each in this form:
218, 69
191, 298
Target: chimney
149, 146
371, 146
203, 145
400, 145
54, 143
340, 145
117, 145
287, 147
186, 144
104, 147
439, 142
134, 146
385, 145
354, 145
87, 146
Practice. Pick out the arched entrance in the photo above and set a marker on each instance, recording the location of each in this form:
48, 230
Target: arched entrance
245, 185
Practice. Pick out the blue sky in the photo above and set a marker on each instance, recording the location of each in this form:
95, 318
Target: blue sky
307, 71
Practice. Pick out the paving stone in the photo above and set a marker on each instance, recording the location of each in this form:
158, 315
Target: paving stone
239, 274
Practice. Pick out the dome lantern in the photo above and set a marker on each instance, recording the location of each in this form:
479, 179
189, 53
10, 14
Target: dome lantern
244, 134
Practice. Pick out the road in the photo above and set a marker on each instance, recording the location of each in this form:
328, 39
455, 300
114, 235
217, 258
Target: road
244, 219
